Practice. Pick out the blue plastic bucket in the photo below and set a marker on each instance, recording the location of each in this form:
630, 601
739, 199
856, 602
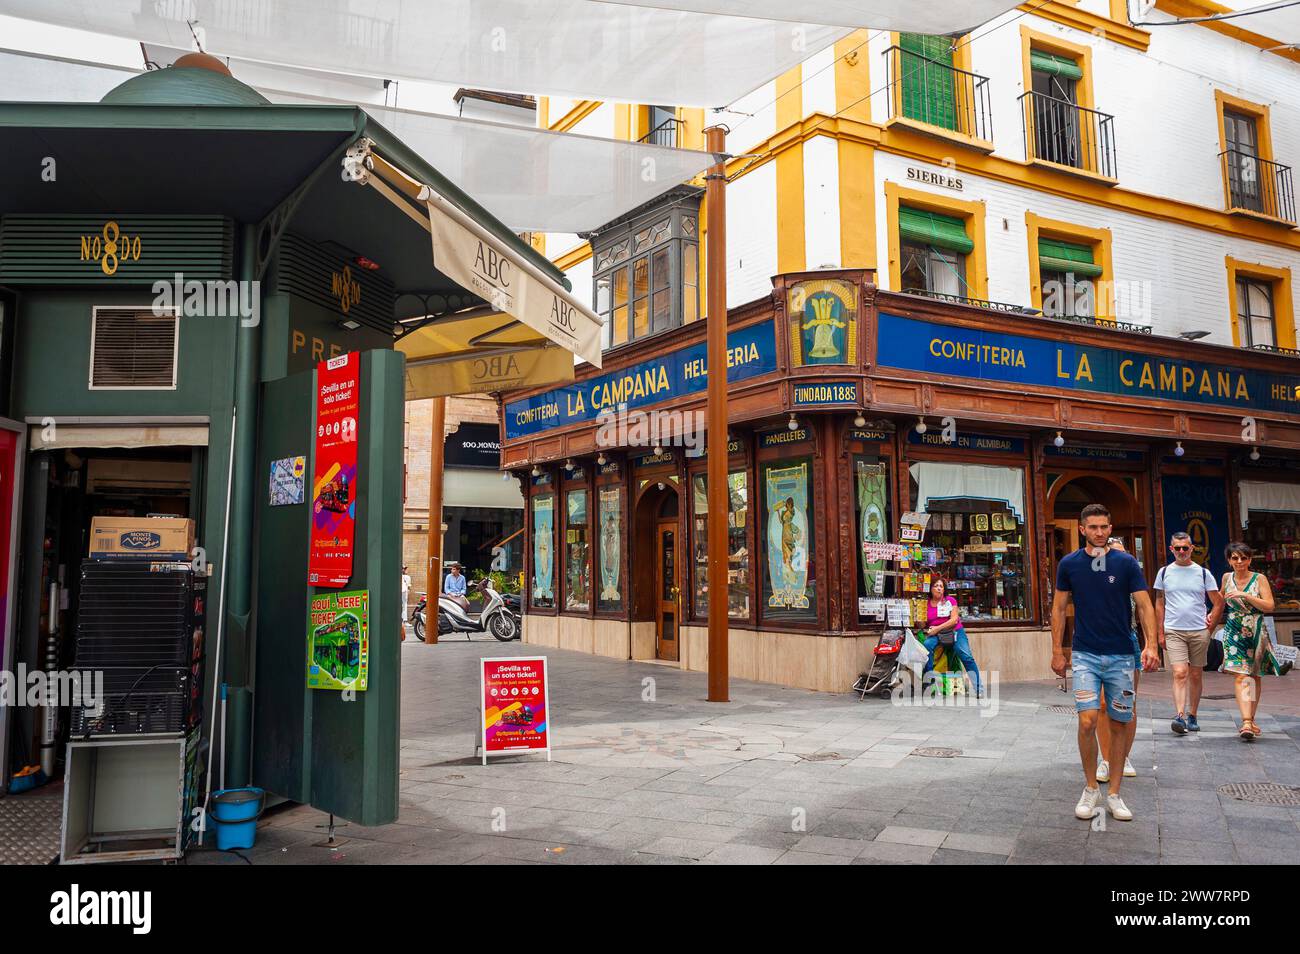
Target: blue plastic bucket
235, 812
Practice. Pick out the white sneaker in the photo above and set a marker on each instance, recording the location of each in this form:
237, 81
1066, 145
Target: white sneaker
1103, 771
1118, 809
1087, 806
1129, 770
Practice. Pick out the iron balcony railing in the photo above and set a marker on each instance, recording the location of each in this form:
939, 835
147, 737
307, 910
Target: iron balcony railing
937, 94
1258, 185
1059, 131
1276, 349
665, 134
1005, 308
976, 302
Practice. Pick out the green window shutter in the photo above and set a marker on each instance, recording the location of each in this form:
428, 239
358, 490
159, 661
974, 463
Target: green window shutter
1054, 64
929, 89
931, 228
1057, 256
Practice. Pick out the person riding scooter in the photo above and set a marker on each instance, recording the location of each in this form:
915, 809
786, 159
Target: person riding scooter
494, 617
453, 586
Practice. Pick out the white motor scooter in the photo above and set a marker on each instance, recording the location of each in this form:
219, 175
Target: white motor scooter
495, 618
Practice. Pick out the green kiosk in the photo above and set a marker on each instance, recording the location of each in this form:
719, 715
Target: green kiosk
178, 263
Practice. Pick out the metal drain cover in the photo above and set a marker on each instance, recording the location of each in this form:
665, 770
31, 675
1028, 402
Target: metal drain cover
1221, 696
1262, 793
937, 753
1061, 710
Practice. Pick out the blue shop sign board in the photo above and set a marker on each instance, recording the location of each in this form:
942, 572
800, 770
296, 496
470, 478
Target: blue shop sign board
751, 352
951, 351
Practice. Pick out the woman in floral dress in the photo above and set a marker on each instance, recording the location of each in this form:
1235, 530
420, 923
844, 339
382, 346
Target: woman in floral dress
1248, 599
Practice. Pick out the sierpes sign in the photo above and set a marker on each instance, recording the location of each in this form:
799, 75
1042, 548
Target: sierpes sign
334, 480
513, 690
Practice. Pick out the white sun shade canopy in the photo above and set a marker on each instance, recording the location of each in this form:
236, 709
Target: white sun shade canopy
911, 16
689, 53
535, 180
464, 251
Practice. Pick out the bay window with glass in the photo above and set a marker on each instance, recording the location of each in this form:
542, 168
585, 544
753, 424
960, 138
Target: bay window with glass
646, 270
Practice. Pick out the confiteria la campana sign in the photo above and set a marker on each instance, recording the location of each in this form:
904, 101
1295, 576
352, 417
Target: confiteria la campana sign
969, 353
751, 351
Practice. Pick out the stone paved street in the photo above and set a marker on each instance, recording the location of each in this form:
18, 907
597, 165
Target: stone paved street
646, 771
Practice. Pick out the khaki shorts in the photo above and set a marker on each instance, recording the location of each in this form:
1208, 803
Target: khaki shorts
1187, 646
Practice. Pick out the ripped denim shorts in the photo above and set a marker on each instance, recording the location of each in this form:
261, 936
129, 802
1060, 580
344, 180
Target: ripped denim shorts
1115, 673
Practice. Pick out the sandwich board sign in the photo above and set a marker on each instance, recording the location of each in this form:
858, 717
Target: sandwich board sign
514, 705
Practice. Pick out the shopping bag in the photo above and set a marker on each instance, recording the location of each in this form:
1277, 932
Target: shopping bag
1214, 652
912, 653
1278, 660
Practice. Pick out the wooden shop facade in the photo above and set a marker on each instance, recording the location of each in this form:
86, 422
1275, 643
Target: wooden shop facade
850, 406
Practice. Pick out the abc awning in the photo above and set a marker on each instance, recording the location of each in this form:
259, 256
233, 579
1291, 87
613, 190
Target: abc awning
529, 331
478, 351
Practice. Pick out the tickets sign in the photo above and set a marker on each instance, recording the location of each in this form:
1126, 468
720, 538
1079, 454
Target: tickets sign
334, 480
513, 691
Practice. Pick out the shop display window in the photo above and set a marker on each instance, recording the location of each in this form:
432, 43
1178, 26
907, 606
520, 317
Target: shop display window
976, 538
872, 518
543, 588
577, 552
1275, 538
609, 543
738, 580
789, 560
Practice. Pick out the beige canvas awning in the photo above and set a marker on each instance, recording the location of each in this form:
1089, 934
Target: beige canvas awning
529, 332
479, 351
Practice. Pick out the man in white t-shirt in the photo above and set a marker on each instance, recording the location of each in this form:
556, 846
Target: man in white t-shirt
1183, 626
406, 594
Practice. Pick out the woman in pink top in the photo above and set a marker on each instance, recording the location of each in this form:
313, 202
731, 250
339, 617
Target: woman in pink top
942, 617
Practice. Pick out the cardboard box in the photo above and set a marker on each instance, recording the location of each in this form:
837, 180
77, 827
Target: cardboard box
144, 537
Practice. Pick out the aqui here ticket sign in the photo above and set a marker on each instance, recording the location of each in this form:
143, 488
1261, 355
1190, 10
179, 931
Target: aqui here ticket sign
751, 351
952, 351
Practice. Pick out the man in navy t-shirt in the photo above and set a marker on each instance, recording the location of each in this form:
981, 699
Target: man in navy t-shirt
1100, 582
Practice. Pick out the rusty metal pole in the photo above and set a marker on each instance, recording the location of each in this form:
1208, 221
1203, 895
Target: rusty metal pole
433, 564
716, 310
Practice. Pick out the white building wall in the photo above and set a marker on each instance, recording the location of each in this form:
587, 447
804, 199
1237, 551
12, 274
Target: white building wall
1166, 121
580, 278
752, 119
600, 122
751, 235
821, 221
1178, 269
819, 83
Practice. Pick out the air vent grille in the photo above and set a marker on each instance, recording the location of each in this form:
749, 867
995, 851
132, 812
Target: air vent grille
133, 348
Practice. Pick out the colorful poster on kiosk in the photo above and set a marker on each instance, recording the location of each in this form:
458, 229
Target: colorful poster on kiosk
513, 691
338, 641
334, 478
